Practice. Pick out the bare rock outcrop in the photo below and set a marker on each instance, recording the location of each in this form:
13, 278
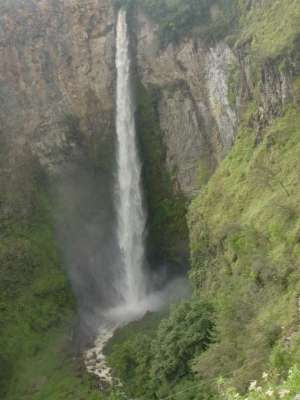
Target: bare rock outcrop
56, 74
197, 121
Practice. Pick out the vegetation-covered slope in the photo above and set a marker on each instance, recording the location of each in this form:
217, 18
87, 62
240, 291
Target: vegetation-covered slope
37, 308
244, 232
245, 264
272, 25
245, 250
243, 318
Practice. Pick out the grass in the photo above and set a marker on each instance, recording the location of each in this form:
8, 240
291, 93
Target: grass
147, 325
270, 386
245, 251
37, 308
244, 179
245, 245
250, 210
52, 373
273, 26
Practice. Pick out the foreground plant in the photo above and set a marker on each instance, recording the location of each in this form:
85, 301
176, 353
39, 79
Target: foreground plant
272, 386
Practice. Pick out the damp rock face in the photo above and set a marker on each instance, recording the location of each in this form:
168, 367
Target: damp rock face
56, 75
197, 121
201, 90
57, 86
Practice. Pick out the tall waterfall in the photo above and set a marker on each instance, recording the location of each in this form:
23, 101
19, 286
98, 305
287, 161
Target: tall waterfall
131, 282
129, 203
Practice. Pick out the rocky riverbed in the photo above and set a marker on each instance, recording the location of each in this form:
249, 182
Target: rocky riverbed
94, 358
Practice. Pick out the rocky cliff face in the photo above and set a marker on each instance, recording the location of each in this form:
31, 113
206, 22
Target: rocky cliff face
203, 91
269, 84
196, 118
57, 100
57, 86
56, 75
57, 115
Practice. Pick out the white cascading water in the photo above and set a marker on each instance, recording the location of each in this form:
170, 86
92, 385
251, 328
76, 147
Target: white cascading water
131, 214
131, 223
134, 302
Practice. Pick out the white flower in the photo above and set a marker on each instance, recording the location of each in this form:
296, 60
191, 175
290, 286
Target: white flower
270, 392
265, 375
252, 385
283, 392
259, 389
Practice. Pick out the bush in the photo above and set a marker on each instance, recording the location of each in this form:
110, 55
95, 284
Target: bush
177, 18
269, 387
156, 362
181, 337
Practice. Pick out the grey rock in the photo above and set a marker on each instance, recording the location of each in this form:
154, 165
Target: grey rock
197, 121
56, 59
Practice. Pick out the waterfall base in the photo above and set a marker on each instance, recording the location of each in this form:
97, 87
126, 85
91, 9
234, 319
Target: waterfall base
113, 319
94, 358
117, 317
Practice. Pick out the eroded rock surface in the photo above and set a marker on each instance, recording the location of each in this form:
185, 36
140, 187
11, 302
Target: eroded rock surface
56, 69
197, 121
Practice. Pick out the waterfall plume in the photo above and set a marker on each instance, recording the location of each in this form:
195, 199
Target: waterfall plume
129, 199
133, 301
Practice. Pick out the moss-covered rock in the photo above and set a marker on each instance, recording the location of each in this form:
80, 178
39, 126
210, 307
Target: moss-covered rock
167, 229
246, 263
37, 306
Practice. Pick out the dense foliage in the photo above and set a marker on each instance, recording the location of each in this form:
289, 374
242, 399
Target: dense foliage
244, 227
155, 362
247, 270
36, 303
270, 386
246, 262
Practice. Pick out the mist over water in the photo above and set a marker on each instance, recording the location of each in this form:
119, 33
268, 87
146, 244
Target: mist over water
102, 223
135, 288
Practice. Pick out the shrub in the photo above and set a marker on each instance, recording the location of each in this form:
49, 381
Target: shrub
186, 333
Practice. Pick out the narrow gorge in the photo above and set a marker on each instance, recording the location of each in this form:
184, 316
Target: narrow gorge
149, 199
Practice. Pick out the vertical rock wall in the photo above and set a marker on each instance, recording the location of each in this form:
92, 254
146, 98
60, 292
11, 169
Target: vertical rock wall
197, 121
56, 60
